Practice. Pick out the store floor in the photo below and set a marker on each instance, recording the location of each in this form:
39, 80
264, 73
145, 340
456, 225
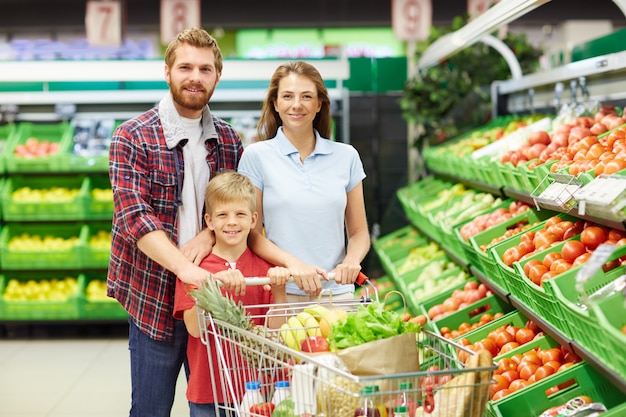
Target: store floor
73, 375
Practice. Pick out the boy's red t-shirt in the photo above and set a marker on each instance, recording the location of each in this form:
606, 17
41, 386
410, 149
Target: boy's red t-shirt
199, 388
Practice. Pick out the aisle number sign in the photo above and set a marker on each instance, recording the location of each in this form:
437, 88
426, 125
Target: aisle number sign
411, 19
478, 7
103, 23
178, 15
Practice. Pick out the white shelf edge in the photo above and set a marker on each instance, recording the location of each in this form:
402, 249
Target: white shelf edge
131, 96
149, 70
573, 70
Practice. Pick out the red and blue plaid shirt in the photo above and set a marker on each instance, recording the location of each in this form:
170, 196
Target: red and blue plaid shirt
146, 177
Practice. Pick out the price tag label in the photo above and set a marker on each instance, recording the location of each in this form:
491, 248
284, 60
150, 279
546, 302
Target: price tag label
411, 19
103, 23
178, 15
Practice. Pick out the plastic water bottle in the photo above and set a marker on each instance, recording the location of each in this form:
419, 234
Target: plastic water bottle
367, 408
400, 411
406, 398
251, 397
282, 390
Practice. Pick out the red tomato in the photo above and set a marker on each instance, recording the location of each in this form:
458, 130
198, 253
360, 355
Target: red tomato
552, 221
543, 238
502, 338
500, 383
616, 234
574, 230
524, 335
532, 326
581, 259
500, 394
508, 347
560, 265
572, 249
530, 263
536, 272
593, 236
506, 364
544, 372
510, 375
526, 369
552, 354
549, 258
518, 384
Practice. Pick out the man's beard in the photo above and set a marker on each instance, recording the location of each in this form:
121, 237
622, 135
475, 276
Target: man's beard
192, 102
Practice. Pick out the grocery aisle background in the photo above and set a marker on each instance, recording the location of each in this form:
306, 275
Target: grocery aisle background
68, 376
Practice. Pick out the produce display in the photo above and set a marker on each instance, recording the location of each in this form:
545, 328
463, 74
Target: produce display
36, 148
56, 289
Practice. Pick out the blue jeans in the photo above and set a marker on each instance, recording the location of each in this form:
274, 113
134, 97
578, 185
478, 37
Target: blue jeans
154, 369
205, 410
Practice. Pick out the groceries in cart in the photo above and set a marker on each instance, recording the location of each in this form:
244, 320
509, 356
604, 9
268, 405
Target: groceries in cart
291, 372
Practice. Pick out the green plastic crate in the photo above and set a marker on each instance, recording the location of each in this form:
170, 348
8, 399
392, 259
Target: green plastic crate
582, 325
41, 309
31, 257
59, 132
397, 245
33, 206
610, 313
542, 302
513, 318
100, 308
418, 292
533, 400
484, 261
508, 276
7, 130
470, 254
98, 208
98, 252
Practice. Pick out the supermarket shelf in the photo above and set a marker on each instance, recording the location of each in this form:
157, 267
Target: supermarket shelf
527, 198
554, 333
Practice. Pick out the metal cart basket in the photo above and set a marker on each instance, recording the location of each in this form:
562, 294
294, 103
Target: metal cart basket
320, 386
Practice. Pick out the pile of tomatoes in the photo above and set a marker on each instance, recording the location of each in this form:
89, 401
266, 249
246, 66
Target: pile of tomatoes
581, 239
488, 220
502, 339
460, 298
523, 369
465, 326
574, 252
519, 370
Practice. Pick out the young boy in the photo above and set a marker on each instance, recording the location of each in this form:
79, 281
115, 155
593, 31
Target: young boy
231, 214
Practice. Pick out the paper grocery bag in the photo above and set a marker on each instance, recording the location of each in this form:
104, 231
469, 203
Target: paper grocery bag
397, 354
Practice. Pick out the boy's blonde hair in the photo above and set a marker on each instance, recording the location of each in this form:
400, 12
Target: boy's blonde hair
228, 186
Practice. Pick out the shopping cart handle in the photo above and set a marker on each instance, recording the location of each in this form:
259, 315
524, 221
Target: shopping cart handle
256, 281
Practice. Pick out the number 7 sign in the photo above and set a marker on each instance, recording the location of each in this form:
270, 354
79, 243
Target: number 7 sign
103, 23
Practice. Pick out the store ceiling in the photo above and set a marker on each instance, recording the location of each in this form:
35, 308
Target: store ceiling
25, 16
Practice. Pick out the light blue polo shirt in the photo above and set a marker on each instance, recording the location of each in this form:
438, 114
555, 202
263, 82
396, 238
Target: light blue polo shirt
304, 204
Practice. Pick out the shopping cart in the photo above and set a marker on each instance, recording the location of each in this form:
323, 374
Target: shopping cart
322, 387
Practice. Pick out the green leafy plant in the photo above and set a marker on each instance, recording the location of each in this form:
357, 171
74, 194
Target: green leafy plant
454, 96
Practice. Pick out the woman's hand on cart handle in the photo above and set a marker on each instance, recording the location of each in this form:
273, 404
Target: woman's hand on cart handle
254, 281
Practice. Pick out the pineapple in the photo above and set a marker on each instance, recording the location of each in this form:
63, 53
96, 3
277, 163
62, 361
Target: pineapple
223, 308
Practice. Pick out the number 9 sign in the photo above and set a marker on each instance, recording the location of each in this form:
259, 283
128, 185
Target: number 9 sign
178, 15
